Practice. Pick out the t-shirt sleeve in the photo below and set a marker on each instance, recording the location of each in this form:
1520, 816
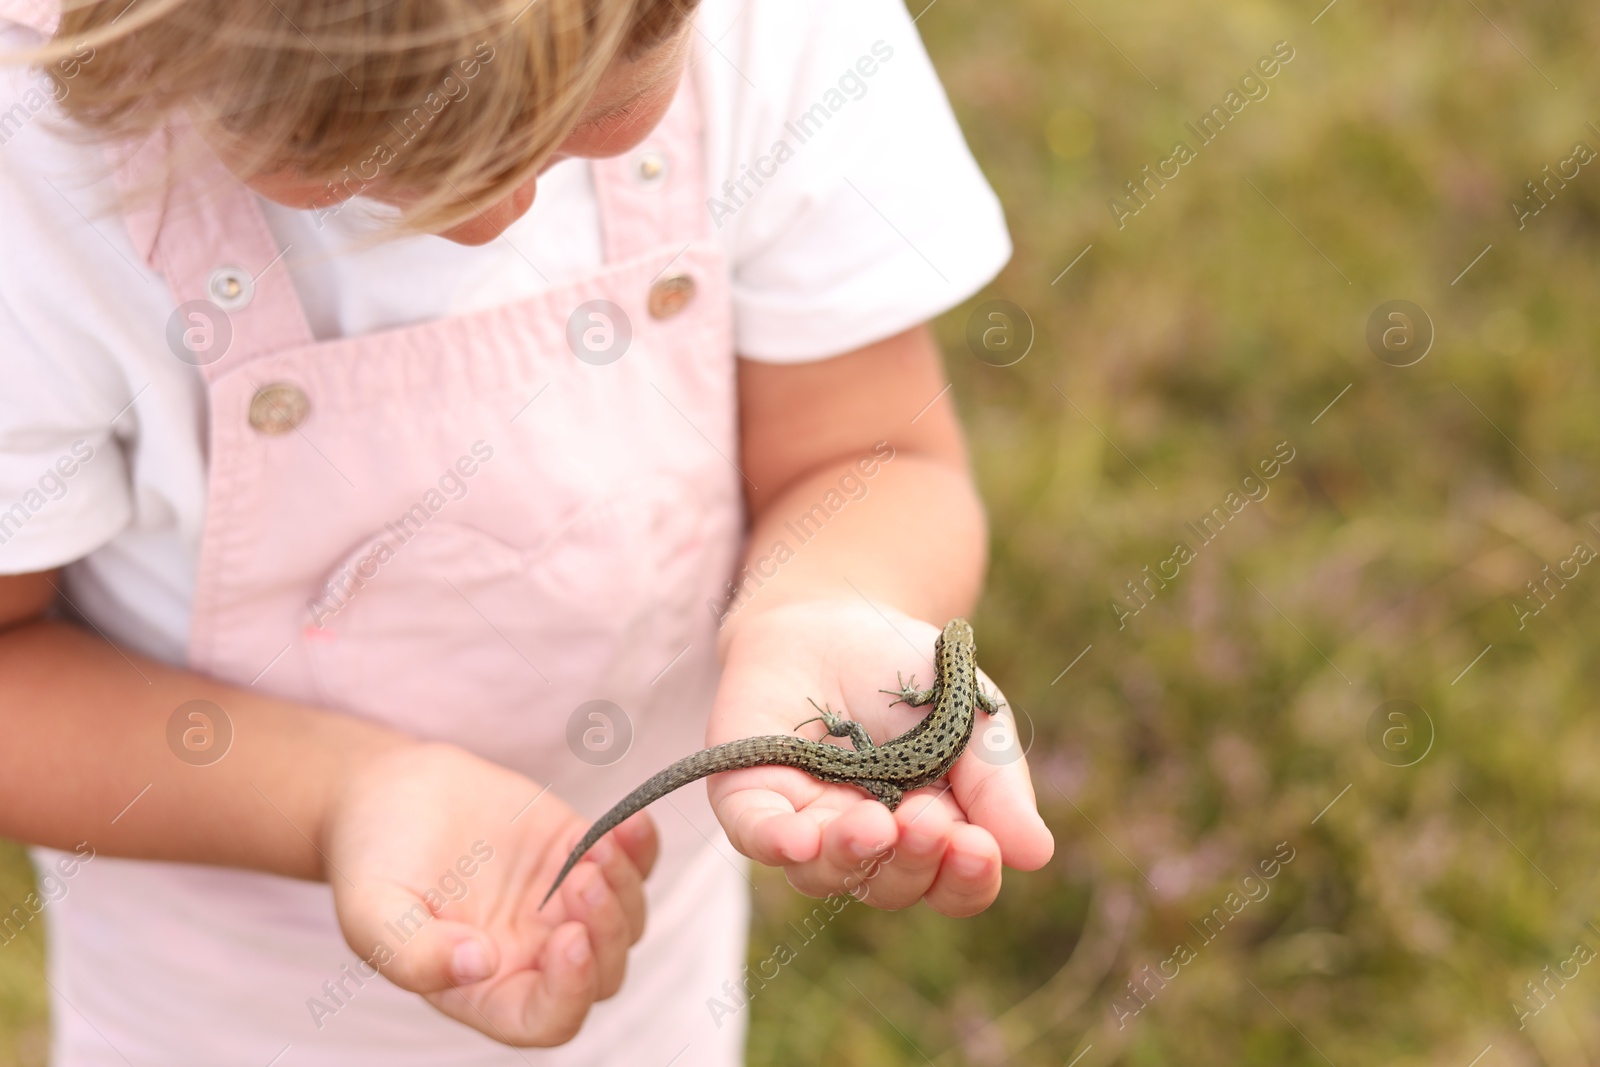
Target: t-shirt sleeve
63, 477
842, 187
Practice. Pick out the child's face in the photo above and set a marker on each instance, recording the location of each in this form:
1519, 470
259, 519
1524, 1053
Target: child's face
632, 97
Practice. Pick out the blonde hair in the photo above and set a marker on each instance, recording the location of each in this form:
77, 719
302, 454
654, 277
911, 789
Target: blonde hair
353, 91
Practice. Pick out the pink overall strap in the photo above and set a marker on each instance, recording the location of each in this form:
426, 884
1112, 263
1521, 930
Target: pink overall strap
639, 208
207, 245
211, 244
264, 313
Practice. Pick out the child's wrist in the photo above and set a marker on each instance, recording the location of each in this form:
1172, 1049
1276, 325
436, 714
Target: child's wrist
739, 616
808, 606
361, 753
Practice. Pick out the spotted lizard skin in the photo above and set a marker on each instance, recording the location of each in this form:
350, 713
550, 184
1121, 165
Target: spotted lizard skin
921, 755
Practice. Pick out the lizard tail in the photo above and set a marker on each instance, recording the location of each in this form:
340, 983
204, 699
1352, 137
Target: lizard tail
778, 749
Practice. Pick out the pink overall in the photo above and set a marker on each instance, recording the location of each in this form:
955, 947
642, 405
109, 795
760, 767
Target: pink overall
464, 530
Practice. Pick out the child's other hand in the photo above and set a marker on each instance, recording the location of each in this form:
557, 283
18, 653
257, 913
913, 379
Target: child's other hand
400, 842
949, 842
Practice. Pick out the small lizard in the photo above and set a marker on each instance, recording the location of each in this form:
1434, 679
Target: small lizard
917, 757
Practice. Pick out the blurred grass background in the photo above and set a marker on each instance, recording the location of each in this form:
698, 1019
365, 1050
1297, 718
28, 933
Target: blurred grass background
1225, 718
1179, 751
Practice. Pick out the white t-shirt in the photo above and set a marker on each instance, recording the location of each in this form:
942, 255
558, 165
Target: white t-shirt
875, 220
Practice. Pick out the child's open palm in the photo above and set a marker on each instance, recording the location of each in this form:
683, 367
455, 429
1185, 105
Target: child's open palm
949, 839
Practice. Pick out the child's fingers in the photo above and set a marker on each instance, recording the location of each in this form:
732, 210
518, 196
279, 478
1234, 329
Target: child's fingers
922, 827
439, 954
588, 896
968, 880
625, 882
539, 1007
561, 992
852, 844
763, 825
995, 792
638, 839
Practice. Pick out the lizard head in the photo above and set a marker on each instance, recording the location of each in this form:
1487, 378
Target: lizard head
958, 631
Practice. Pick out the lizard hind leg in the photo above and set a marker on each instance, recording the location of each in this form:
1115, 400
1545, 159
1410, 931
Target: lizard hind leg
887, 792
839, 726
987, 702
908, 693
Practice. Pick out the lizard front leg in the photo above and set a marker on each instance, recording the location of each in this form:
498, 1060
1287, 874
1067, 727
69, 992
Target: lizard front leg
908, 693
838, 726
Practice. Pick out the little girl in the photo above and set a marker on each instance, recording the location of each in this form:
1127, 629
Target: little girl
423, 420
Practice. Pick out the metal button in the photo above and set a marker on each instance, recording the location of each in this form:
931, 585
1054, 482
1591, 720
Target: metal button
230, 288
651, 168
670, 295
278, 408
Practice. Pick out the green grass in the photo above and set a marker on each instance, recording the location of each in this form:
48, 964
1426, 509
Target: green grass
1222, 720
24, 1035
1180, 750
